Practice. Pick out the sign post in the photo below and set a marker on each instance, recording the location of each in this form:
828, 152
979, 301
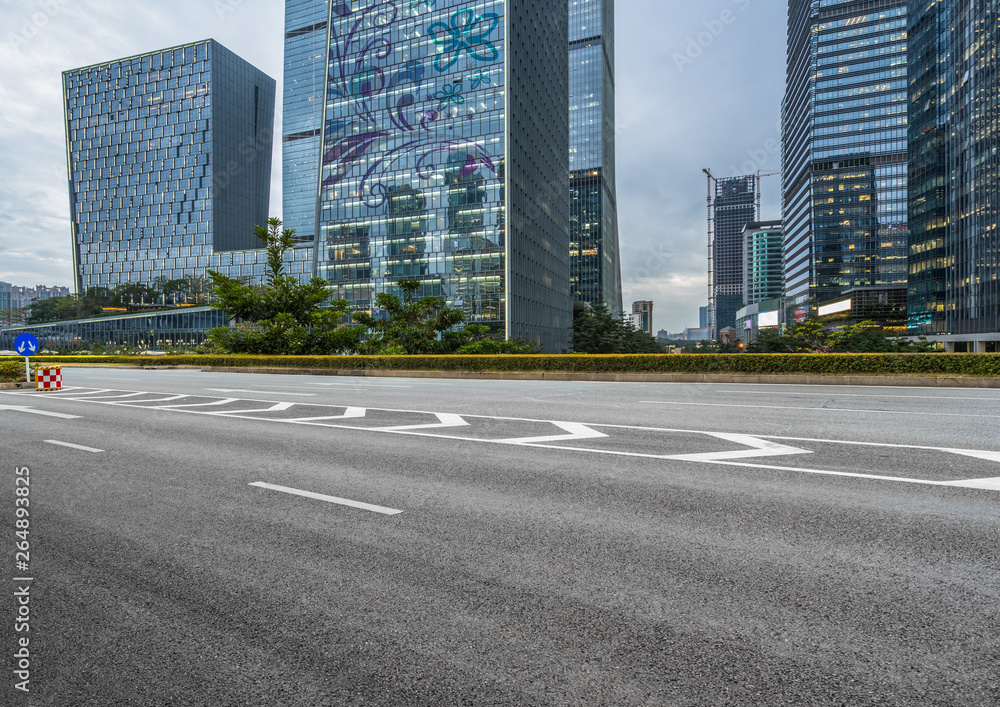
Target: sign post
27, 346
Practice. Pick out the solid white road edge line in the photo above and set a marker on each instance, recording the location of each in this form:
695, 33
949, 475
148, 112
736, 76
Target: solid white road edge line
785, 407
329, 499
73, 446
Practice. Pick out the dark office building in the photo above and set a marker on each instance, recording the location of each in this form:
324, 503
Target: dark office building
844, 143
595, 267
735, 206
169, 166
954, 291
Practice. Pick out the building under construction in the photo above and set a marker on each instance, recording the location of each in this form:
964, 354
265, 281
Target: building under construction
734, 206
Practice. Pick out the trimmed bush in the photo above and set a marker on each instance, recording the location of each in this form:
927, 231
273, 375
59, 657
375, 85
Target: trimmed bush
11, 370
935, 364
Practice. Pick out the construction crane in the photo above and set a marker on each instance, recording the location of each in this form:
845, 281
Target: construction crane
759, 175
711, 255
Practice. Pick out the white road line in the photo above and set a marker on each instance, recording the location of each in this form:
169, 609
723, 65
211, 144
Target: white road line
815, 409
446, 419
576, 430
758, 448
274, 408
140, 403
116, 397
73, 446
330, 499
988, 484
363, 385
262, 392
858, 395
32, 411
348, 414
195, 405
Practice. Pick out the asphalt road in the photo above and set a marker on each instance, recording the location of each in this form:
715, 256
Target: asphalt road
501, 542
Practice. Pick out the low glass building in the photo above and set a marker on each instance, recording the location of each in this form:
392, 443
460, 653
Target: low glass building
145, 330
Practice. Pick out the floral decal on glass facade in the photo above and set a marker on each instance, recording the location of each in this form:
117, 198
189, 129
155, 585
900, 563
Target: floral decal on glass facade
415, 4
451, 93
467, 32
480, 78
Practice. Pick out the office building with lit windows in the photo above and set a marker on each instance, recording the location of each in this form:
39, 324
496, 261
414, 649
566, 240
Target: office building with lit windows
595, 264
844, 150
443, 154
954, 285
169, 157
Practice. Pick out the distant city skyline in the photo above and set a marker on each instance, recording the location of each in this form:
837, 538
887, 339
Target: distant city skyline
724, 58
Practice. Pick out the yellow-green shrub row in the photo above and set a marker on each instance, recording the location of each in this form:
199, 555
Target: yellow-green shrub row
761, 364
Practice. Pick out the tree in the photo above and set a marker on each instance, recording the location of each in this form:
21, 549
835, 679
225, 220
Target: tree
13, 316
409, 326
281, 315
810, 336
597, 331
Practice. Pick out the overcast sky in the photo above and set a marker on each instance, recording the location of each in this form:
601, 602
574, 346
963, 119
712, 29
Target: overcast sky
699, 85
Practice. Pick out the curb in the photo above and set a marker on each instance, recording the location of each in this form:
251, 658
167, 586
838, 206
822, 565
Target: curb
727, 378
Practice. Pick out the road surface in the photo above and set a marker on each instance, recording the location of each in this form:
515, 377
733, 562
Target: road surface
234, 539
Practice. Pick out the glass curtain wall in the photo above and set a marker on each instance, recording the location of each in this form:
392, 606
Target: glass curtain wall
169, 157
844, 149
425, 114
594, 249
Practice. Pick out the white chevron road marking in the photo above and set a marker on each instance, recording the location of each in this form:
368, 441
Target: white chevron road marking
576, 430
758, 448
446, 419
350, 413
278, 407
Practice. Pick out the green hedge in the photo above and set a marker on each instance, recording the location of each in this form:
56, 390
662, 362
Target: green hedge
823, 364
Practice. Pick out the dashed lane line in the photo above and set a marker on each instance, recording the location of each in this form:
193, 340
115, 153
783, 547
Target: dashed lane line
329, 499
73, 446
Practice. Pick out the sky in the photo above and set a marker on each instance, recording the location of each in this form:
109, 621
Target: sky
699, 84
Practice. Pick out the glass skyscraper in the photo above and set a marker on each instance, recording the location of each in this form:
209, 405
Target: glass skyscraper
594, 255
306, 45
955, 171
844, 146
169, 157
443, 154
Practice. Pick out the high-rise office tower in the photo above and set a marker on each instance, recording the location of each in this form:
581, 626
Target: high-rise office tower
306, 45
763, 275
734, 206
443, 154
844, 150
169, 166
954, 288
595, 264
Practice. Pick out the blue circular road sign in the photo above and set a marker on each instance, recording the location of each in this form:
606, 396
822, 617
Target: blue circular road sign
26, 345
